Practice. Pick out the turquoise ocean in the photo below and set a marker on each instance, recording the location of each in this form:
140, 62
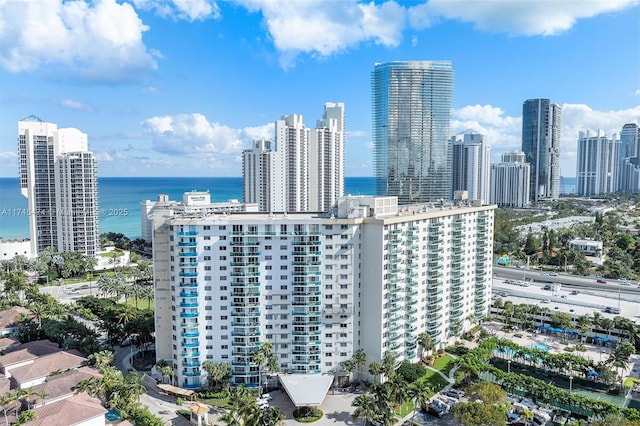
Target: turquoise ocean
119, 199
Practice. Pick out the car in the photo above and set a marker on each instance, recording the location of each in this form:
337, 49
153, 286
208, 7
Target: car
546, 301
626, 284
266, 397
556, 308
455, 393
571, 310
553, 274
574, 292
545, 274
503, 294
564, 296
83, 287
126, 342
600, 281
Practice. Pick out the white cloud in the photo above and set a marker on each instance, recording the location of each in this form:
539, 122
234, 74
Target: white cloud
322, 29
97, 41
504, 133
77, 105
188, 10
193, 135
637, 92
521, 17
8, 155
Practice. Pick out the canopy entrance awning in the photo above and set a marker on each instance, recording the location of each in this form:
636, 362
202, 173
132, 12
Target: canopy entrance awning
306, 389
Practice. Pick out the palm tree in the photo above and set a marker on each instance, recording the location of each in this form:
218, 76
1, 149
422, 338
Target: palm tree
167, 371
100, 359
419, 392
272, 416
397, 389
389, 365
366, 408
375, 369
359, 359
263, 357
596, 321
425, 342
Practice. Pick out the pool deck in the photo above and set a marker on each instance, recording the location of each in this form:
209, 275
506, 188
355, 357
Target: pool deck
594, 352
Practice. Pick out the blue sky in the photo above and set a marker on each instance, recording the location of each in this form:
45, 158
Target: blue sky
180, 87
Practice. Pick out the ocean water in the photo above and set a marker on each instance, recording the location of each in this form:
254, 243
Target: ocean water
119, 199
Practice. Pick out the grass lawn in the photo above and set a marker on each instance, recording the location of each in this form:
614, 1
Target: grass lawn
217, 402
110, 253
630, 381
436, 381
404, 409
142, 303
444, 364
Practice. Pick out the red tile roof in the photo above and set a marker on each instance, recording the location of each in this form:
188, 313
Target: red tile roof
28, 351
45, 365
63, 384
71, 411
8, 317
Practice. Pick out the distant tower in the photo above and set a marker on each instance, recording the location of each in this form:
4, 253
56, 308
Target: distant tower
292, 138
263, 172
510, 181
597, 165
58, 177
541, 123
630, 159
411, 117
471, 165
326, 159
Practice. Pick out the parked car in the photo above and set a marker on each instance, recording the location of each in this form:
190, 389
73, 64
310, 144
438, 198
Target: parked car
553, 274
601, 281
574, 292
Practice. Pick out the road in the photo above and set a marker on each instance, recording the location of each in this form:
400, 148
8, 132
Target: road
567, 280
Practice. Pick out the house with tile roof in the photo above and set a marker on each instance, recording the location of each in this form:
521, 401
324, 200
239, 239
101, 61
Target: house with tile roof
78, 410
36, 373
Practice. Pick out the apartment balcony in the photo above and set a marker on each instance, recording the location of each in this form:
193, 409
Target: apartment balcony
191, 364
253, 264
248, 242
411, 293
188, 274
456, 305
412, 275
245, 273
187, 234
457, 291
188, 314
188, 244
189, 294
307, 253
306, 321
245, 304
395, 251
188, 304
436, 233
245, 333
189, 264
411, 319
412, 311
433, 327
192, 385
305, 273
245, 251
434, 302
245, 282
246, 314
394, 290
480, 305
306, 311
306, 243
190, 344
456, 314
394, 337
188, 254
246, 292
310, 351
192, 354
309, 333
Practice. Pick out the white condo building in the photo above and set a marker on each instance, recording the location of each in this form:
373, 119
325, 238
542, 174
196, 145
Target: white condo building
302, 170
369, 275
58, 177
598, 164
326, 159
630, 158
471, 166
510, 181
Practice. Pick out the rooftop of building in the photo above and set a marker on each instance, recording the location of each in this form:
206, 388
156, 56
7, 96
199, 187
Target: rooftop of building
28, 351
352, 209
76, 409
45, 365
64, 383
9, 316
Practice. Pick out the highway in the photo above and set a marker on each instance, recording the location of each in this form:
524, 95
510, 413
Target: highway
567, 280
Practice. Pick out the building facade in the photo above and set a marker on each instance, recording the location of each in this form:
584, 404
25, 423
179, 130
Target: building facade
411, 104
368, 275
510, 181
541, 125
471, 166
58, 176
302, 169
598, 164
630, 158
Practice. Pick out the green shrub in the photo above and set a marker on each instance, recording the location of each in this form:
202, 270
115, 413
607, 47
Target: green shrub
517, 335
184, 413
581, 348
411, 372
307, 414
569, 348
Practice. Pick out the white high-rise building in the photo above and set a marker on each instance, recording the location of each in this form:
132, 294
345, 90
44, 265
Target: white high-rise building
326, 159
510, 181
368, 275
58, 177
471, 166
303, 170
263, 176
598, 164
292, 138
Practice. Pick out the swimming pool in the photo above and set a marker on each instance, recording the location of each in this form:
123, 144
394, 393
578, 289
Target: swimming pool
540, 346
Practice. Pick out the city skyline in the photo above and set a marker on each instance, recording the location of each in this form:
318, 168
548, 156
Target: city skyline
181, 92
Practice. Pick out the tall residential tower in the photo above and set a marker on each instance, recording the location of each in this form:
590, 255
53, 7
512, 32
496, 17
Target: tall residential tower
471, 165
58, 177
541, 121
411, 115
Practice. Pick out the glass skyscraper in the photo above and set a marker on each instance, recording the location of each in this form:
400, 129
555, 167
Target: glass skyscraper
541, 122
411, 103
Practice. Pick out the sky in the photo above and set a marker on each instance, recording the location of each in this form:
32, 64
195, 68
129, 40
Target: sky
181, 87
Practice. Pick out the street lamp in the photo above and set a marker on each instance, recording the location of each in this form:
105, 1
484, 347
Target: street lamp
509, 366
570, 384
